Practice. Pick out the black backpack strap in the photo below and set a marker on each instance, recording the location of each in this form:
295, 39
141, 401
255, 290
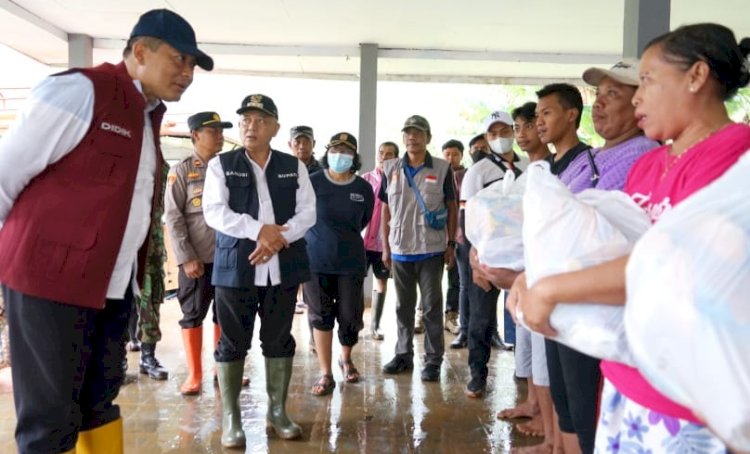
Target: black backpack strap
594, 169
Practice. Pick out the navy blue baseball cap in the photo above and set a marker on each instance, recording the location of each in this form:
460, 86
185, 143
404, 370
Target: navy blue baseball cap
174, 30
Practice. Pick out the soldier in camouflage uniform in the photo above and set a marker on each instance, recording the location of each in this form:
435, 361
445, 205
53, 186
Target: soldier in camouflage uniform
152, 292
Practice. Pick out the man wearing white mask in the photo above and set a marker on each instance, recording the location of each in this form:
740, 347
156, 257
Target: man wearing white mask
498, 131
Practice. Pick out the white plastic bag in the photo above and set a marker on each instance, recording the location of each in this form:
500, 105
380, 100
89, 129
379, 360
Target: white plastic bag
493, 223
688, 312
564, 232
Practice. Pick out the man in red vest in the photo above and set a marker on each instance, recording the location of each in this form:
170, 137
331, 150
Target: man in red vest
75, 208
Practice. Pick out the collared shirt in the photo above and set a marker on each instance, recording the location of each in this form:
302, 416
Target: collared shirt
313, 166
240, 225
63, 108
410, 238
613, 165
487, 171
191, 237
558, 166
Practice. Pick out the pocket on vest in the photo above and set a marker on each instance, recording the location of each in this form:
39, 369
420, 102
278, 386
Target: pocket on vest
54, 257
106, 168
227, 248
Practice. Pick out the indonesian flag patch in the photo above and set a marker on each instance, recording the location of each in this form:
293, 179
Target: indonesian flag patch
430, 179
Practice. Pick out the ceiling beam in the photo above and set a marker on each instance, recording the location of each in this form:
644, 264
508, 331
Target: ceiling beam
443, 78
394, 53
33, 19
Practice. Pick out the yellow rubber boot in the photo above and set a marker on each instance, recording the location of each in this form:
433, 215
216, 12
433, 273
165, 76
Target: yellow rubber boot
106, 439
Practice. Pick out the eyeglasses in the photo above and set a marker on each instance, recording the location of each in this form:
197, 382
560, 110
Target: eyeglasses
246, 121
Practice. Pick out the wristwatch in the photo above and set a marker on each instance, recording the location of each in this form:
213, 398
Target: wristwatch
452, 244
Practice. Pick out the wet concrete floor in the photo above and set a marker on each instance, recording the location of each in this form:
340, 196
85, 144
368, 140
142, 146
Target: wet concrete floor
380, 414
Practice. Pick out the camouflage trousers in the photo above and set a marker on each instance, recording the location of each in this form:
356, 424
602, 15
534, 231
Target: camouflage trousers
146, 309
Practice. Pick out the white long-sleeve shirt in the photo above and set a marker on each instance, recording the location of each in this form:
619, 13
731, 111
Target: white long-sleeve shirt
239, 225
56, 118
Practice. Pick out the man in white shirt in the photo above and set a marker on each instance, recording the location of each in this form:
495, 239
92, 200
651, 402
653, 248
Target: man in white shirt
260, 202
482, 322
75, 208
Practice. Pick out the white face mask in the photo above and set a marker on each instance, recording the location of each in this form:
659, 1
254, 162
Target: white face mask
502, 144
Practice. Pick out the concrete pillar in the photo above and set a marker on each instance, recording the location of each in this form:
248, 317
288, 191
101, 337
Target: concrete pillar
80, 51
643, 21
368, 107
368, 100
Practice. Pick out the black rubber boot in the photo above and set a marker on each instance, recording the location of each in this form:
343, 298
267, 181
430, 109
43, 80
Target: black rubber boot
150, 365
376, 311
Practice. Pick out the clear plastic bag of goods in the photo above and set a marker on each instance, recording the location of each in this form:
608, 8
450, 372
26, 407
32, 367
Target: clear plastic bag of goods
565, 232
493, 223
687, 316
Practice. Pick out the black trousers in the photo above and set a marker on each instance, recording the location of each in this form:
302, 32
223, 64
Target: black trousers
482, 314
466, 278
195, 296
67, 368
575, 384
236, 310
454, 290
336, 297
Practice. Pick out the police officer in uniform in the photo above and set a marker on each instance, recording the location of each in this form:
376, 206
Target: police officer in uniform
193, 241
260, 202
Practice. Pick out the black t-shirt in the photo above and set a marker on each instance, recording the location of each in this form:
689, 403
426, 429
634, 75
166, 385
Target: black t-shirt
335, 243
557, 167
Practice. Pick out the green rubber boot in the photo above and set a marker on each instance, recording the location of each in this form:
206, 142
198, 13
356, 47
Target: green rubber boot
230, 383
278, 374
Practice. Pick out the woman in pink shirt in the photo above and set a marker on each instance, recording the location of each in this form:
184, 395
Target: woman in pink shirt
373, 240
685, 77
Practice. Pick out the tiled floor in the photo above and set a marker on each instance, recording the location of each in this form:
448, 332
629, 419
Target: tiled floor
381, 414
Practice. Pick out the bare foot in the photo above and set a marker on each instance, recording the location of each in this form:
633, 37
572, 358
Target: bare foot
533, 428
522, 410
542, 448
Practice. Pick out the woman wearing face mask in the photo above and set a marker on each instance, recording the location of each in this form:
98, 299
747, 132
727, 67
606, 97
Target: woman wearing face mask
344, 204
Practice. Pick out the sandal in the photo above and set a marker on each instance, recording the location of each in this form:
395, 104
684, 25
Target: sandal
323, 386
351, 374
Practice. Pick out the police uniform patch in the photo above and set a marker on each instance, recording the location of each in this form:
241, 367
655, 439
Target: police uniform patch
198, 190
193, 175
197, 163
196, 202
171, 179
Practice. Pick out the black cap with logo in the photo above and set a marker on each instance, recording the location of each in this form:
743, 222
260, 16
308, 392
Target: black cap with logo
259, 102
343, 138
